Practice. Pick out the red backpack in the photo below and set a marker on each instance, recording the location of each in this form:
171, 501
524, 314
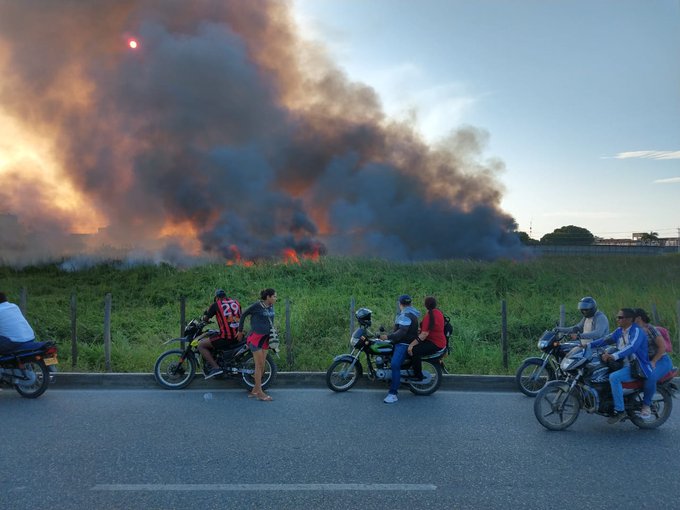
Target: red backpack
666, 338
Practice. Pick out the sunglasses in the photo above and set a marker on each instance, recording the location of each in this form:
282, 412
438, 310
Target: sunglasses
619, 317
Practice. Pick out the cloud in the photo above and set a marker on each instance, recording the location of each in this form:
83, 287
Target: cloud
670, 180
646, 155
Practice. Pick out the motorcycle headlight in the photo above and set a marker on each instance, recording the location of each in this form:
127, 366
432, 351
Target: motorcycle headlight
566, 363
354, 341
542, 344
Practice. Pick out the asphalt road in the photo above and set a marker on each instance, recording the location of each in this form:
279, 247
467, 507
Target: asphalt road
311, 448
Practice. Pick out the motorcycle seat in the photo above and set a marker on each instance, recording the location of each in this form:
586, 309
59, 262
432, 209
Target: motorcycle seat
435, 355
633, 385
25, 347
231, 350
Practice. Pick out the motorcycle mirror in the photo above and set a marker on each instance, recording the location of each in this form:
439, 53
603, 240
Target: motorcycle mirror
382, 329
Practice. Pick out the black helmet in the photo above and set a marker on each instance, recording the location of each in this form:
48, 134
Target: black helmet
220, 294
363, 315
587, 306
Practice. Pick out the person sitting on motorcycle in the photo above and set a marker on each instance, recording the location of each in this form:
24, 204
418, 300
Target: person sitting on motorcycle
430, 339
405, 331
660, 361
228, 313
631, 341
594, 323
15, 331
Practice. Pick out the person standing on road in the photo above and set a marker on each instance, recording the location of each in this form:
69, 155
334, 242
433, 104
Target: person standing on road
262, 330
228, 313
14, 328
405, 331
430, 339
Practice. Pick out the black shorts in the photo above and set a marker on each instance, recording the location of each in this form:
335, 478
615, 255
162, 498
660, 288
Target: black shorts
222, 344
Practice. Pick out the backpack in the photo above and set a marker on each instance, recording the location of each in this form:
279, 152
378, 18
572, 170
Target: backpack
666, 338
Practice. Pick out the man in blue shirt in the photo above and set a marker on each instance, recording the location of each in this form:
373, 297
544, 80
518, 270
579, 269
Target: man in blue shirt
14, 329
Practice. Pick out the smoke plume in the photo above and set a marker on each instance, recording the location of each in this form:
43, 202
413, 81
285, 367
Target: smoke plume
224, 135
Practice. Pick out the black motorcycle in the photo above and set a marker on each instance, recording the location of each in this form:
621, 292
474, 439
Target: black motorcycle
346, 369
28, 368
587, 387
176, 368
534, 373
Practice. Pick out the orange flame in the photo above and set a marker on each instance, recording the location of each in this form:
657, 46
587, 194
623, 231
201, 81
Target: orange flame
236, 258
290, 256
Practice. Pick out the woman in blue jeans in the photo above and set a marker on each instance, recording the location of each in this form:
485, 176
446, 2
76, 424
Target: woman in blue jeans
631, 340
660, 361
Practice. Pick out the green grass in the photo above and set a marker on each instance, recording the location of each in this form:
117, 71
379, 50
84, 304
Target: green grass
145, 309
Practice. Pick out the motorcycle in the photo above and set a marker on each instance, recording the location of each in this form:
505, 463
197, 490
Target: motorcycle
176, 368
558, 404
534, 373
29, 369
346, 369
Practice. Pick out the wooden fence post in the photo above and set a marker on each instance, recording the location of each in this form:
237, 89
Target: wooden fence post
107, 332
677, 321
655, 314
22, 301
290, 357
182, 318
504, 332
74, 334
563, 315
352, 305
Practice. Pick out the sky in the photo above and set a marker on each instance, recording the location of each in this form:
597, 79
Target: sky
580, 100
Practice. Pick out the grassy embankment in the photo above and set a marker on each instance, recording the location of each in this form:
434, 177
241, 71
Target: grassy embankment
145, 308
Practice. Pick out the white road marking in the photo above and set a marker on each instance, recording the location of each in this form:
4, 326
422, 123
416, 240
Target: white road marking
265, 487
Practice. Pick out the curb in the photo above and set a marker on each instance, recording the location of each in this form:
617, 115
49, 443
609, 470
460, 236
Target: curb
135, 381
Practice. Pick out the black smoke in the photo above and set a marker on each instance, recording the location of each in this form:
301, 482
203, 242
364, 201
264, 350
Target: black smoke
224, 121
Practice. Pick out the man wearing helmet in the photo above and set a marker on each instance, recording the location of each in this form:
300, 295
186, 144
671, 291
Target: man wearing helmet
228, 313
594, 323
405, 331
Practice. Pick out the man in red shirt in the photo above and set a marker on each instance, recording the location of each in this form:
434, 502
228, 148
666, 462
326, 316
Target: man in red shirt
430, 339
227, 311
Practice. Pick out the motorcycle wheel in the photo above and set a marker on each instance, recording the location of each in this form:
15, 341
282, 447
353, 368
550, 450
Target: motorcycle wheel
173, 374
341, 375
41, 382
662, 405
435, 370
532, 376
268, 377
555, 407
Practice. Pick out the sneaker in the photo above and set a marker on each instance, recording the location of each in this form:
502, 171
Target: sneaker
390, 398
645, 415
213, 372
616, 417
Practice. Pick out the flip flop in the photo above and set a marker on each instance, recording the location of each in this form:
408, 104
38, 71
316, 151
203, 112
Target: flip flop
264, 398
252, 395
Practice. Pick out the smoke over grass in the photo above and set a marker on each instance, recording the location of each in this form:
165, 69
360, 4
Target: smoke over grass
223, 134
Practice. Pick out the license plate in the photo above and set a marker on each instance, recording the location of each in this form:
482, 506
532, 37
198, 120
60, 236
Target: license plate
51, 361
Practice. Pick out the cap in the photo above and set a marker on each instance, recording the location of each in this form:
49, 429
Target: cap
405, 299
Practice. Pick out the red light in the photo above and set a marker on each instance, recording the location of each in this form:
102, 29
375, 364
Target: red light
132, 44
